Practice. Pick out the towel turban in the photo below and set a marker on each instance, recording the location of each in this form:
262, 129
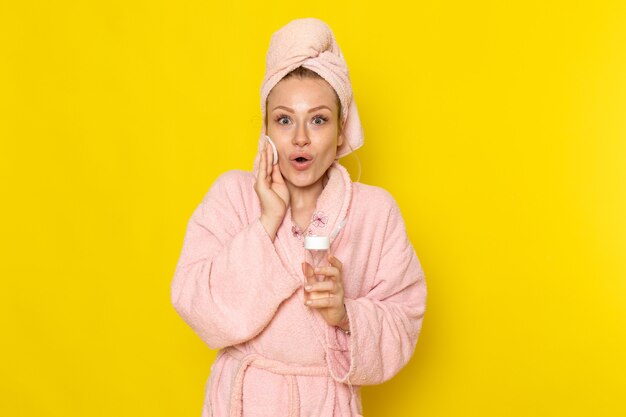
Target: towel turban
310, 43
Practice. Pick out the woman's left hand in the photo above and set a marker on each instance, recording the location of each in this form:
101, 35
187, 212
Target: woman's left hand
327, 295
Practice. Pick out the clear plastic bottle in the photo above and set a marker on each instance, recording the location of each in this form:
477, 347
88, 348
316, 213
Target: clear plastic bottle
316, 255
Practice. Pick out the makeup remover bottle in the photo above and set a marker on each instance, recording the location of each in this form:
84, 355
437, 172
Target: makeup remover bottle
316, 253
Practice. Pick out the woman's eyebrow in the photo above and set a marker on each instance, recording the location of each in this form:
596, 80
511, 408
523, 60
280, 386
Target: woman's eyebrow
311, 110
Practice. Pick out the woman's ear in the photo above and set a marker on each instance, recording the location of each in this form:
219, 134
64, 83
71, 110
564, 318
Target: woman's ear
341, 136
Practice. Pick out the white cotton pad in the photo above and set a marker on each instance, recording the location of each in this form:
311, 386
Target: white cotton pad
274, 149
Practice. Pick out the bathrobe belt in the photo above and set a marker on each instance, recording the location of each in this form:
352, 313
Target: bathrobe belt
276, 367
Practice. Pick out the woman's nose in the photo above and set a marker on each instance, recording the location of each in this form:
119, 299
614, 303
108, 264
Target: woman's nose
301, 137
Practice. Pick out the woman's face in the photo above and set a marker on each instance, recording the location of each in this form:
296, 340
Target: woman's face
302, 122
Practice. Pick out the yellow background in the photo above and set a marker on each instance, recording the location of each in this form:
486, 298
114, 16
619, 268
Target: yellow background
499, 127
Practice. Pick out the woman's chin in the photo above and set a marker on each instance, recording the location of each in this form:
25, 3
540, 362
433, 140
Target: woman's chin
302, 181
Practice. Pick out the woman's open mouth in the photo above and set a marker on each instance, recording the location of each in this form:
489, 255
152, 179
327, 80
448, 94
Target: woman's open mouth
300, 160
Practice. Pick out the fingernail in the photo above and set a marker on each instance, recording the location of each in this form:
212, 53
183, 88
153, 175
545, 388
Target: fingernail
308, 287
309, 302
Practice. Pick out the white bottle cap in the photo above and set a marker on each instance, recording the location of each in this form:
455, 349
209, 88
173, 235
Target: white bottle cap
316, 242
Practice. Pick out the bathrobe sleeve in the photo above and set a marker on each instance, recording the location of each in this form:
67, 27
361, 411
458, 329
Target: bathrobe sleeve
229, 280
385, 323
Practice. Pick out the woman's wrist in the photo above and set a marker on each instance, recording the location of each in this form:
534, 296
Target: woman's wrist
270, 226
344, 323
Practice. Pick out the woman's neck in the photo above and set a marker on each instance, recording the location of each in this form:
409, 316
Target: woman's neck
305, 198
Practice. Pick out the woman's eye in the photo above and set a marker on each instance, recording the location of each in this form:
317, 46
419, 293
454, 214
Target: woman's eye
318, 120
280, 120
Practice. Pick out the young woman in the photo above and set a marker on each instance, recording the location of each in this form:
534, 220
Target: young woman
291, 344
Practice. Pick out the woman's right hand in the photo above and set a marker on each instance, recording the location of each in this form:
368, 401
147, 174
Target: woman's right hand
273, 193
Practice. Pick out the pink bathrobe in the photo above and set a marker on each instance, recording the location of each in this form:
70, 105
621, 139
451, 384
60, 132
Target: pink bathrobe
243, 294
